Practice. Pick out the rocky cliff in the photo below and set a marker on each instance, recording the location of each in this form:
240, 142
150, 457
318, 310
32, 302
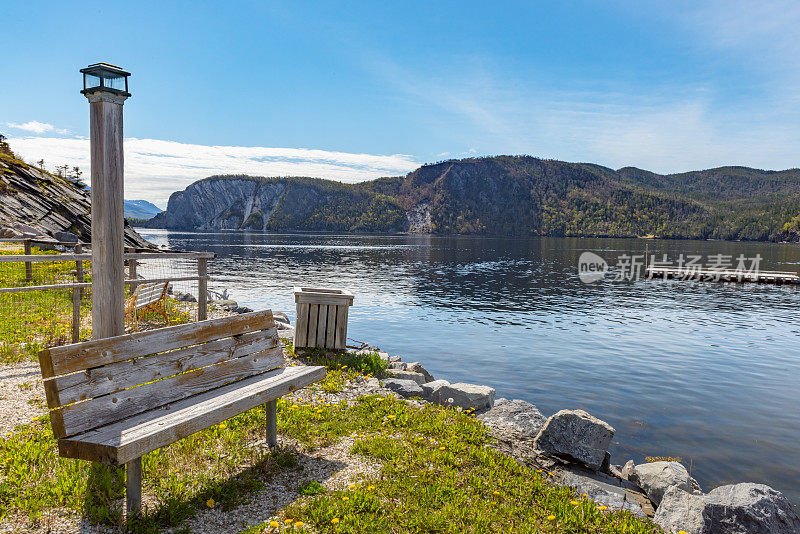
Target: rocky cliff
265, 204
34, 203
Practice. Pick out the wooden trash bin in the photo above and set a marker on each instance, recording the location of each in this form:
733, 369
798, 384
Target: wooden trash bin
321, 317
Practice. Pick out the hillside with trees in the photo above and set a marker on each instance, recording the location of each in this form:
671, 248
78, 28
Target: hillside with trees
504, 195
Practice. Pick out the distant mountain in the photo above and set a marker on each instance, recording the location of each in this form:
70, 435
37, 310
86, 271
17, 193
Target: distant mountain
141, 209
504, 195
137, 209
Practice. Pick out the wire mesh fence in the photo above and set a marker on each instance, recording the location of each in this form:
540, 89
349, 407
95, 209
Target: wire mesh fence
48, 301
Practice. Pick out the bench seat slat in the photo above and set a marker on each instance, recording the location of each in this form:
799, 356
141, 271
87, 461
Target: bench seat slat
99, 411
112, 378
125, 440
68, 359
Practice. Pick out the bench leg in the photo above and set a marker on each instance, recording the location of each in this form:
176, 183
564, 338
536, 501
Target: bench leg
133, 487
272, 423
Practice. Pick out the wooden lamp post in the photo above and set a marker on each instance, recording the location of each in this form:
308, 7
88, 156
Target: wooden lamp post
106, 88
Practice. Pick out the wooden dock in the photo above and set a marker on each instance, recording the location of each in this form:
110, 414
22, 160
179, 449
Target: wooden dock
723, 275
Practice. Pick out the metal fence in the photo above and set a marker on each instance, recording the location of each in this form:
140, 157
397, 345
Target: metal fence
45, 297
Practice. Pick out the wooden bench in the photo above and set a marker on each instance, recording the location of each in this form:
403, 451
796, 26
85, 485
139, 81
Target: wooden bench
113, 400
147, 297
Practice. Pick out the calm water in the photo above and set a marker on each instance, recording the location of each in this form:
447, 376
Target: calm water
708, 372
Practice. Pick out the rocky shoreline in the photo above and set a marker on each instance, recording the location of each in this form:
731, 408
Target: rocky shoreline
572, 447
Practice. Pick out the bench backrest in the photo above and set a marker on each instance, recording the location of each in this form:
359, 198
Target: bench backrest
148, 293
98, 382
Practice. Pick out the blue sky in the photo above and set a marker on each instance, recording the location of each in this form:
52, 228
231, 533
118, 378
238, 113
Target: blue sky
355, 90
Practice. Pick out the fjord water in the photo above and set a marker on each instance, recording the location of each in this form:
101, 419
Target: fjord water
707, 372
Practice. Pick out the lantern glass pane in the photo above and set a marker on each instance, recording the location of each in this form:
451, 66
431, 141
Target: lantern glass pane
117, 82
90, 81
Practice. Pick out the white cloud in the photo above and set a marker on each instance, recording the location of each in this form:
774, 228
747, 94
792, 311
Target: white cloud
36, 127
154, 169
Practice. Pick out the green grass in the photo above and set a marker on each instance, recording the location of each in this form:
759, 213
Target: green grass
439, 475
369, 364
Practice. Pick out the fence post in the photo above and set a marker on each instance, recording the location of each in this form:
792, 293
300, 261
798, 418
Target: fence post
202, 289
28, 265
132, 263
77, 295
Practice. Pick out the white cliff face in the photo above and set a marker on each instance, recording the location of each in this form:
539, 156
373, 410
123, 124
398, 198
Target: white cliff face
264, 204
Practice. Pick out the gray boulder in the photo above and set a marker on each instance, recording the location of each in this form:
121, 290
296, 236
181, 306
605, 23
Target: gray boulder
627, 470
605, 490
280, 317
575, 435
8, 232
734, 509
397, 365
400, 374
404, 388
417, 367
516, 414
465, 396
65, 237
429, 389
657, 477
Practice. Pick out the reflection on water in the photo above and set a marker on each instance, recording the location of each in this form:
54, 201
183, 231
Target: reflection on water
708, 372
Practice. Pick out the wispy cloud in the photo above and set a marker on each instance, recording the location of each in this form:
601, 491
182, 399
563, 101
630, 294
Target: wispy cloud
37, 127
154, 168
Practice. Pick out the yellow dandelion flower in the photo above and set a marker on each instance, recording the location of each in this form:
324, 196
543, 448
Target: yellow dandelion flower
574, 503
335, 520
601, 508
551, 474
681, 532
299, 524
551, 518
585, 495
223, 426
287, 521
442, 448
496, 492
210, 503
345, 498
351, 486
370, 488
538, 470
274, 524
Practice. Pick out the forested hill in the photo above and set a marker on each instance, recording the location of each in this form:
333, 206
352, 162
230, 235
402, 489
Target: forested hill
504, 195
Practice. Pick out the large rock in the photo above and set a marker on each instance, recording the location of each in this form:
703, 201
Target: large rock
400, 374
606, 490
404, 388
280, 317
521, 416
657, 477
735, 509
65, 237
417, 367
627, 470
429, 389
575, 435
466, 396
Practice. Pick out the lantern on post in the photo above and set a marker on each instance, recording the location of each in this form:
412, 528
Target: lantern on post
106, 87
105, 77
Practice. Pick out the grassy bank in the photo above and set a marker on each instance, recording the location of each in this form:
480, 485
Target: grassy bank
438, 473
